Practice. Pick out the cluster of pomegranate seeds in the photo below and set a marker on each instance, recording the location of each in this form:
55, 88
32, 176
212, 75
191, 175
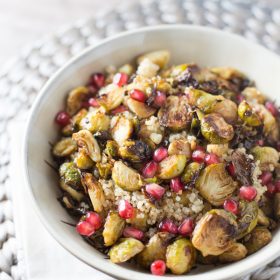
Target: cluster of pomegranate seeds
125, 209
89, 224
266, 177
133, 232
211, 159
160, 99
150, 169
62, 118
168, 225
272, 108
198, 156
98, 80
158, 267
231, 205
176, 185
120, 79
231, 169
154, 190
248, 193
138, 95
160, 154
119, 109
186, 227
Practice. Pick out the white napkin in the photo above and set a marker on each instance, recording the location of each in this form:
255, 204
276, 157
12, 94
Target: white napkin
44, 258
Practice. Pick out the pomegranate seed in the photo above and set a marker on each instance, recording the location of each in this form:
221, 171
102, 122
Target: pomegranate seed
126, 210
239, 98
186, 227
176, 184
160, 99
198, 156
119, 110
120, 79
138, 95
247, 193
211, 159
150, 169
200, 148
271, 189
168, 225
94, 219
62, 118
85, 228
260, 142
277, 186
231, 205
98, 79
231, 169
158, 267
93, 102
271, 108
155, 190
266, 177
160, 154
133, 232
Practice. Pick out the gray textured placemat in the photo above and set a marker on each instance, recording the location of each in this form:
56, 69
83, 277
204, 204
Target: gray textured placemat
23, 77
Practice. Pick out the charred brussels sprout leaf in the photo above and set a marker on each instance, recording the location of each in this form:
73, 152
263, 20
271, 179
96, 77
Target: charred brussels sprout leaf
104, 169
64, 147
112, 148
191, 172
180, 147
237, 252
83, 161
140, 109
75, 194
248, 115
70, 174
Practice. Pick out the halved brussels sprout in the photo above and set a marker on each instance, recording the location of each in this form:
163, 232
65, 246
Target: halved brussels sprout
76, 119
126, 177
235, 253
217, 149
126, 249
155, 249
112, 99
263, 220
180, 256
190, 172
248, 217
227, 109
76, 195
112, 148
180, 147
135, 151
248, 115
140, 109
113, 228
83, 161
104, 169
259, 237
70, 174
172, 166
75, 99
276, 205
266, 155
139, 220
215, 184
227, 73
253, 95
160, 58
176, 113
65, 147
215, 232
95, 191
87, 142
122, 129
215, 129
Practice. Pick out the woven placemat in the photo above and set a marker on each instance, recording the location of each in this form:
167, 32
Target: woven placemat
22, 78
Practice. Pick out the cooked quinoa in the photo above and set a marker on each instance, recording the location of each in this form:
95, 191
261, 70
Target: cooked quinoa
169, 166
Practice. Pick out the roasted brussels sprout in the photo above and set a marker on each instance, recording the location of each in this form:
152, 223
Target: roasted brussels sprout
180, 256
266, 205
248, 115
70, 174
217, 149
248, 217
215, 232
83, 161
75, 194
180, 147
155, 249
171, 166
276, 205
75, 99
104, 169
112, 148
113, 228
64, 147
259, 237
216, 130
263, 220
227, 109
160, 58
139, 220
235, 253
207, 259
112, 99
253, 95
135, 151
126, 177
122, 129
192, 170
176, 114
227, 73
140, 109
87, 142
215, 184
95, 191
266, 155
126, 249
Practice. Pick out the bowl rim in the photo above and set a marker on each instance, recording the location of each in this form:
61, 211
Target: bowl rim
263, 257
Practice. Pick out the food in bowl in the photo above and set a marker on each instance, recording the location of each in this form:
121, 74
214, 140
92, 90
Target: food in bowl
170, 166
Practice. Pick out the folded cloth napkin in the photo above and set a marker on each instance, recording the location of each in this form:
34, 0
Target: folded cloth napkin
44, 258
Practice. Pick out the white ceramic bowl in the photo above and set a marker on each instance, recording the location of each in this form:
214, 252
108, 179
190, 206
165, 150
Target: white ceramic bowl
205, 46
